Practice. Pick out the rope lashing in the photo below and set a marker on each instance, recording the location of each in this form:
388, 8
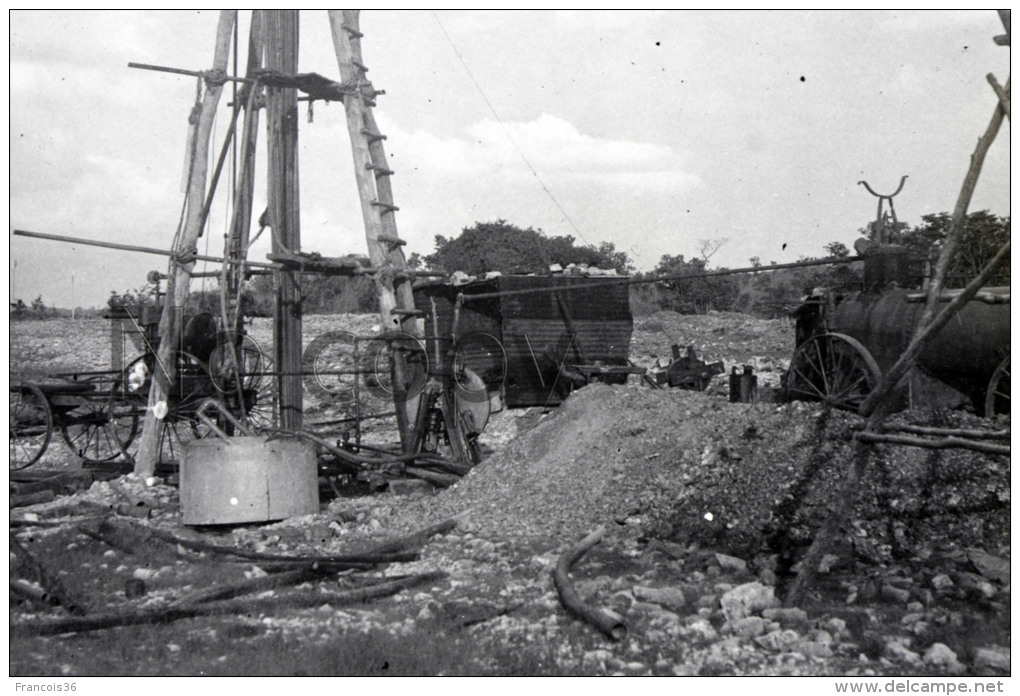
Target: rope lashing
214, 78
185, 256
317, 86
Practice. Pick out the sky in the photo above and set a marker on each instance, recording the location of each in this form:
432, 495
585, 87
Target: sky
649, 130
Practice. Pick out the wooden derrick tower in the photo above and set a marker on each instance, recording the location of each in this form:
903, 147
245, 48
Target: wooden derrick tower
272, 81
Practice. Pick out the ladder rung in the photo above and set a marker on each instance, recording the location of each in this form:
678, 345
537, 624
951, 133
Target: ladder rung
355, 34
407, 312
388, 206
359, 66
395, 241
372, 137
379, 171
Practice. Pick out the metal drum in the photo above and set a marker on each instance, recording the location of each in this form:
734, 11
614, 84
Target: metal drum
248, 479
964, 354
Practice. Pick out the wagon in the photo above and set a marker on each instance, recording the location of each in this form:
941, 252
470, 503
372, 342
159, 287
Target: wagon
98, 413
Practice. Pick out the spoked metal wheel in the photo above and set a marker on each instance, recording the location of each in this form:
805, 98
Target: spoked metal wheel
191, 386
100, 430
242, 374
834, 369
31, 424
997, 398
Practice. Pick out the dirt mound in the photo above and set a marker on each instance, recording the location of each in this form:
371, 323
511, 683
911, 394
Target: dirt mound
741, 478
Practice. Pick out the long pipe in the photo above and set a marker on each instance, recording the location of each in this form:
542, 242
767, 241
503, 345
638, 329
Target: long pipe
164, 252
834, 261
131, 247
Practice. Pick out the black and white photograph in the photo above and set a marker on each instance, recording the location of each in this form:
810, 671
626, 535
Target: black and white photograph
510, 343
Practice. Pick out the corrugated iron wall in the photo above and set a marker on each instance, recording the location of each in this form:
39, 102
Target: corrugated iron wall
533, 329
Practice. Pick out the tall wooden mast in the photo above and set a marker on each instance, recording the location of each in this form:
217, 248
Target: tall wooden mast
285, 208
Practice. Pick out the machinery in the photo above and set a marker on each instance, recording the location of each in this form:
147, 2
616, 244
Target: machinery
846, 342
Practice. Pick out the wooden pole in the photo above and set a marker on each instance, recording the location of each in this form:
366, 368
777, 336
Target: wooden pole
237, 241
180, 277
284, 208
927, 325
878, 405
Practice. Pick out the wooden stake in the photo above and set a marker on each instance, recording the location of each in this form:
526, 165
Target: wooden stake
927, 326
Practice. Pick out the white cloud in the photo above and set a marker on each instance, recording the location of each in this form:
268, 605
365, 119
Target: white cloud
553, 147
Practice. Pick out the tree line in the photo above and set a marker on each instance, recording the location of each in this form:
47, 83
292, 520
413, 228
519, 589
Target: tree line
499, 246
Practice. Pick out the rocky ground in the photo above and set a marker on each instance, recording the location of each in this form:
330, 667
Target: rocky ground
707, 507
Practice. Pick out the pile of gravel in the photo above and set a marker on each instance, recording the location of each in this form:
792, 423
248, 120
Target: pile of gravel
741, 478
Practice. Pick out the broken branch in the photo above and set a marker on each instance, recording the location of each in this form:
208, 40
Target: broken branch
247, 586
1002, 94
221, 607
50, 585
346, 559
948, 432
944, 443
421, 536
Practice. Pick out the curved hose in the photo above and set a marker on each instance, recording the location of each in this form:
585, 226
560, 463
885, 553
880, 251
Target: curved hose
609, 625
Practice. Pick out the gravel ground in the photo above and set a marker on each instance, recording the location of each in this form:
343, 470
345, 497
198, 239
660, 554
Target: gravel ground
707, 505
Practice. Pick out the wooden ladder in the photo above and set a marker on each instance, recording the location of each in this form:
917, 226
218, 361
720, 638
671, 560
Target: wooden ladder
392, 281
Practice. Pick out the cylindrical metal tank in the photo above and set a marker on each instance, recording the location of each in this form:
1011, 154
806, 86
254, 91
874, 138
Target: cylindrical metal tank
248, 479
964, 354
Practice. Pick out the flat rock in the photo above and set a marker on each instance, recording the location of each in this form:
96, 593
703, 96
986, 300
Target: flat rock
786, 615
894, 594
749, 627
747, 599
731, 562
895, 650
814, 649
836, 626
779, 641
669, 597
995, 657
701, 627
992, 567
941, 655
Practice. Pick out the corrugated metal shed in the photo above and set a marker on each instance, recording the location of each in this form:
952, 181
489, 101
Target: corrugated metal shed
533, 330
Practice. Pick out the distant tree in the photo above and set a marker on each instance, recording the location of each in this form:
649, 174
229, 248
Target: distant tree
707, 248
983, 234
837, 250
319, 295
500, 246
144, 296
695, 296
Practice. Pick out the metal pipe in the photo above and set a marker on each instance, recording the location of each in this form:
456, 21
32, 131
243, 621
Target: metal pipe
132, 247
163, 252
658, 279
190, 73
